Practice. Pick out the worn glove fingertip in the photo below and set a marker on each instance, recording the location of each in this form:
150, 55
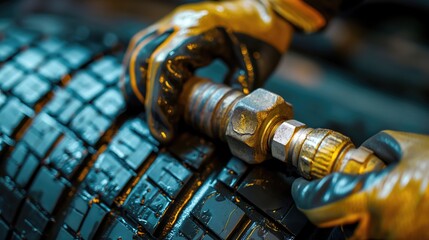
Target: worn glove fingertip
299, 191
385, 146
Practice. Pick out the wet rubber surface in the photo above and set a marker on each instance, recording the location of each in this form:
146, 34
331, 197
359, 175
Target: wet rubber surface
77, 165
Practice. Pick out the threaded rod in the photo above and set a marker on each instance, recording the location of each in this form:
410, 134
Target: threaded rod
206, 106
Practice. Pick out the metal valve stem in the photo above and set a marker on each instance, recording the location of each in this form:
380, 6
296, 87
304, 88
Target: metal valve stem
259, 126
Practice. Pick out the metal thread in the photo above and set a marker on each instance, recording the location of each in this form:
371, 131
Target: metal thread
314, 152
207, 106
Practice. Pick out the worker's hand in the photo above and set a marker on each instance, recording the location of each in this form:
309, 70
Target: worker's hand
246, 34
392, 203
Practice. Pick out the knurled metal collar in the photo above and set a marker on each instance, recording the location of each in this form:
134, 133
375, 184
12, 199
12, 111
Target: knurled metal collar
308, 151
328, 152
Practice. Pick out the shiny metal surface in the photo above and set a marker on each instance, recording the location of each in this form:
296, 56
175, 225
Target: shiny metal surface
281, 142
208, 106
253, 119
259, 126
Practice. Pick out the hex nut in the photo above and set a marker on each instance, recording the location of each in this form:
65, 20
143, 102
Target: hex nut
282, 139
251, 122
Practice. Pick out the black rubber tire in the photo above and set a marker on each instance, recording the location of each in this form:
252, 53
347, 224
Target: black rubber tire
76, 165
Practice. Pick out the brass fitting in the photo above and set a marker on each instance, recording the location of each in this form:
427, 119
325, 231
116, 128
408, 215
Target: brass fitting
281, 142
252, 120
260, 126
319, 152
244, 122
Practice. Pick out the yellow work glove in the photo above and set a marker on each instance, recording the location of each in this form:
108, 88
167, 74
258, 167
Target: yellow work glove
390, 204
246, 34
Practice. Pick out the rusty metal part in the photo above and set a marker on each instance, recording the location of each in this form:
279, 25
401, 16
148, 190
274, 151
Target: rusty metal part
252, 121
244, 122
260, 126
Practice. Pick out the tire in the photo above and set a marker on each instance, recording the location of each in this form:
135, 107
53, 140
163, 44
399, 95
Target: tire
77, 165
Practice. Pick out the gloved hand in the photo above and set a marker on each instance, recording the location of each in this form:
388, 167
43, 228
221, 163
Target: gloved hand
391, 204
246, 34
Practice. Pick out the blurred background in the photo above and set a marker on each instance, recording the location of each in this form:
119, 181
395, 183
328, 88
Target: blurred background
367, 71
